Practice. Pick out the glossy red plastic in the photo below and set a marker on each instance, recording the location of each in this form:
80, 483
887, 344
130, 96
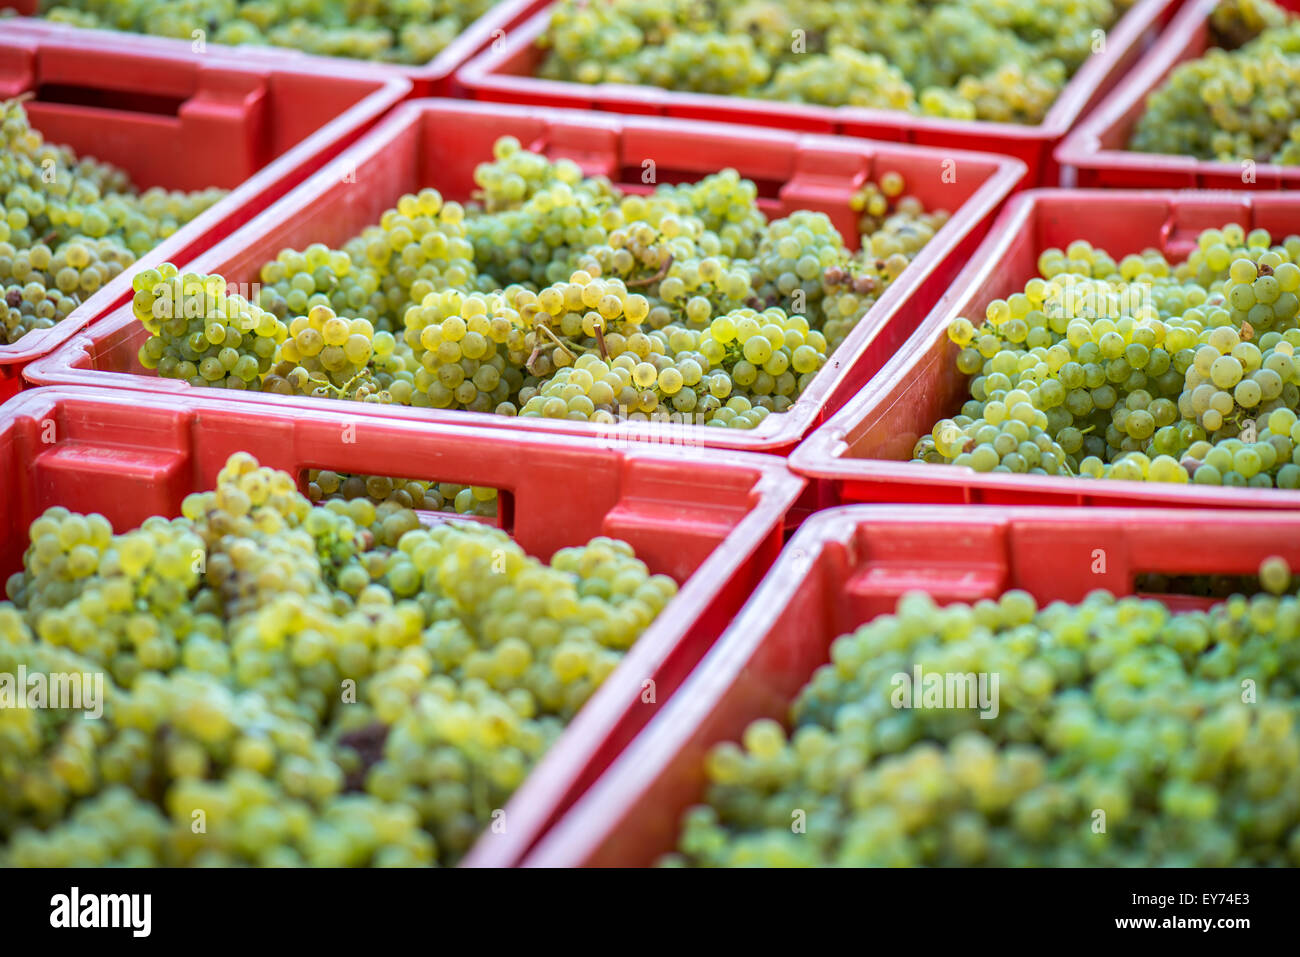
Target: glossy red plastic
862, 453
257, 130
1096, 151
439, 142
504, 73
435, 78
712, 524
842, 569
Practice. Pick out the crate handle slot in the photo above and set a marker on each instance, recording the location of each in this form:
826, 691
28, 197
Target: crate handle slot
208, 119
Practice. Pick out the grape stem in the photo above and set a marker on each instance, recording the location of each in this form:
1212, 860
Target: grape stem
651, 280
556, 339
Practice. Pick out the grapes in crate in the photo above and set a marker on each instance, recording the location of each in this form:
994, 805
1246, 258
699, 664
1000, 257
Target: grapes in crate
552, 294
410, 32
326, 485
1138, 369
69, 225
1109, 733
1240, 101
960, 59
285, 684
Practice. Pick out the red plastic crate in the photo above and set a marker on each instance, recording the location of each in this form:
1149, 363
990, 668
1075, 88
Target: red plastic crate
843, 568
713, 525
257, 130
504, 73
435, 78
1097, 151
862, 453
439, 142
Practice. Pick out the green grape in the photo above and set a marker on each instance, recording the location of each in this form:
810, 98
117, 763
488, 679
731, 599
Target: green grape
202, 333
1234, 103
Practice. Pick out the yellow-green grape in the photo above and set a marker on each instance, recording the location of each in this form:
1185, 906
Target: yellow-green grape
69, 226
327, 354
1002, 734
329, 686
966, 59
1139, 369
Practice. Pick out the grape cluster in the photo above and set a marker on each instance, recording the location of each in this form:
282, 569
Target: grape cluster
1138, 370
1240, 101
68, 226
389, 31
205, 335
684, 305
1118, 734
286, 684
999, 60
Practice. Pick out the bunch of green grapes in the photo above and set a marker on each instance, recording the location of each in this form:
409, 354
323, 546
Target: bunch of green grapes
540, 214
201, 333
554, 294
418, 247
715, 377
1118, 733
324, 485
999, 60
1239, 100
843, 77
287, 685
803, 266
1138, 370
69, 226
389, 31
325, 354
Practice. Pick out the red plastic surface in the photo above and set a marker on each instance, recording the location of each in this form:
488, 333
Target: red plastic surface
1097, 149
439, 142
505, 74
862, 453
181, 123
713, 525
843, 568
435, 78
